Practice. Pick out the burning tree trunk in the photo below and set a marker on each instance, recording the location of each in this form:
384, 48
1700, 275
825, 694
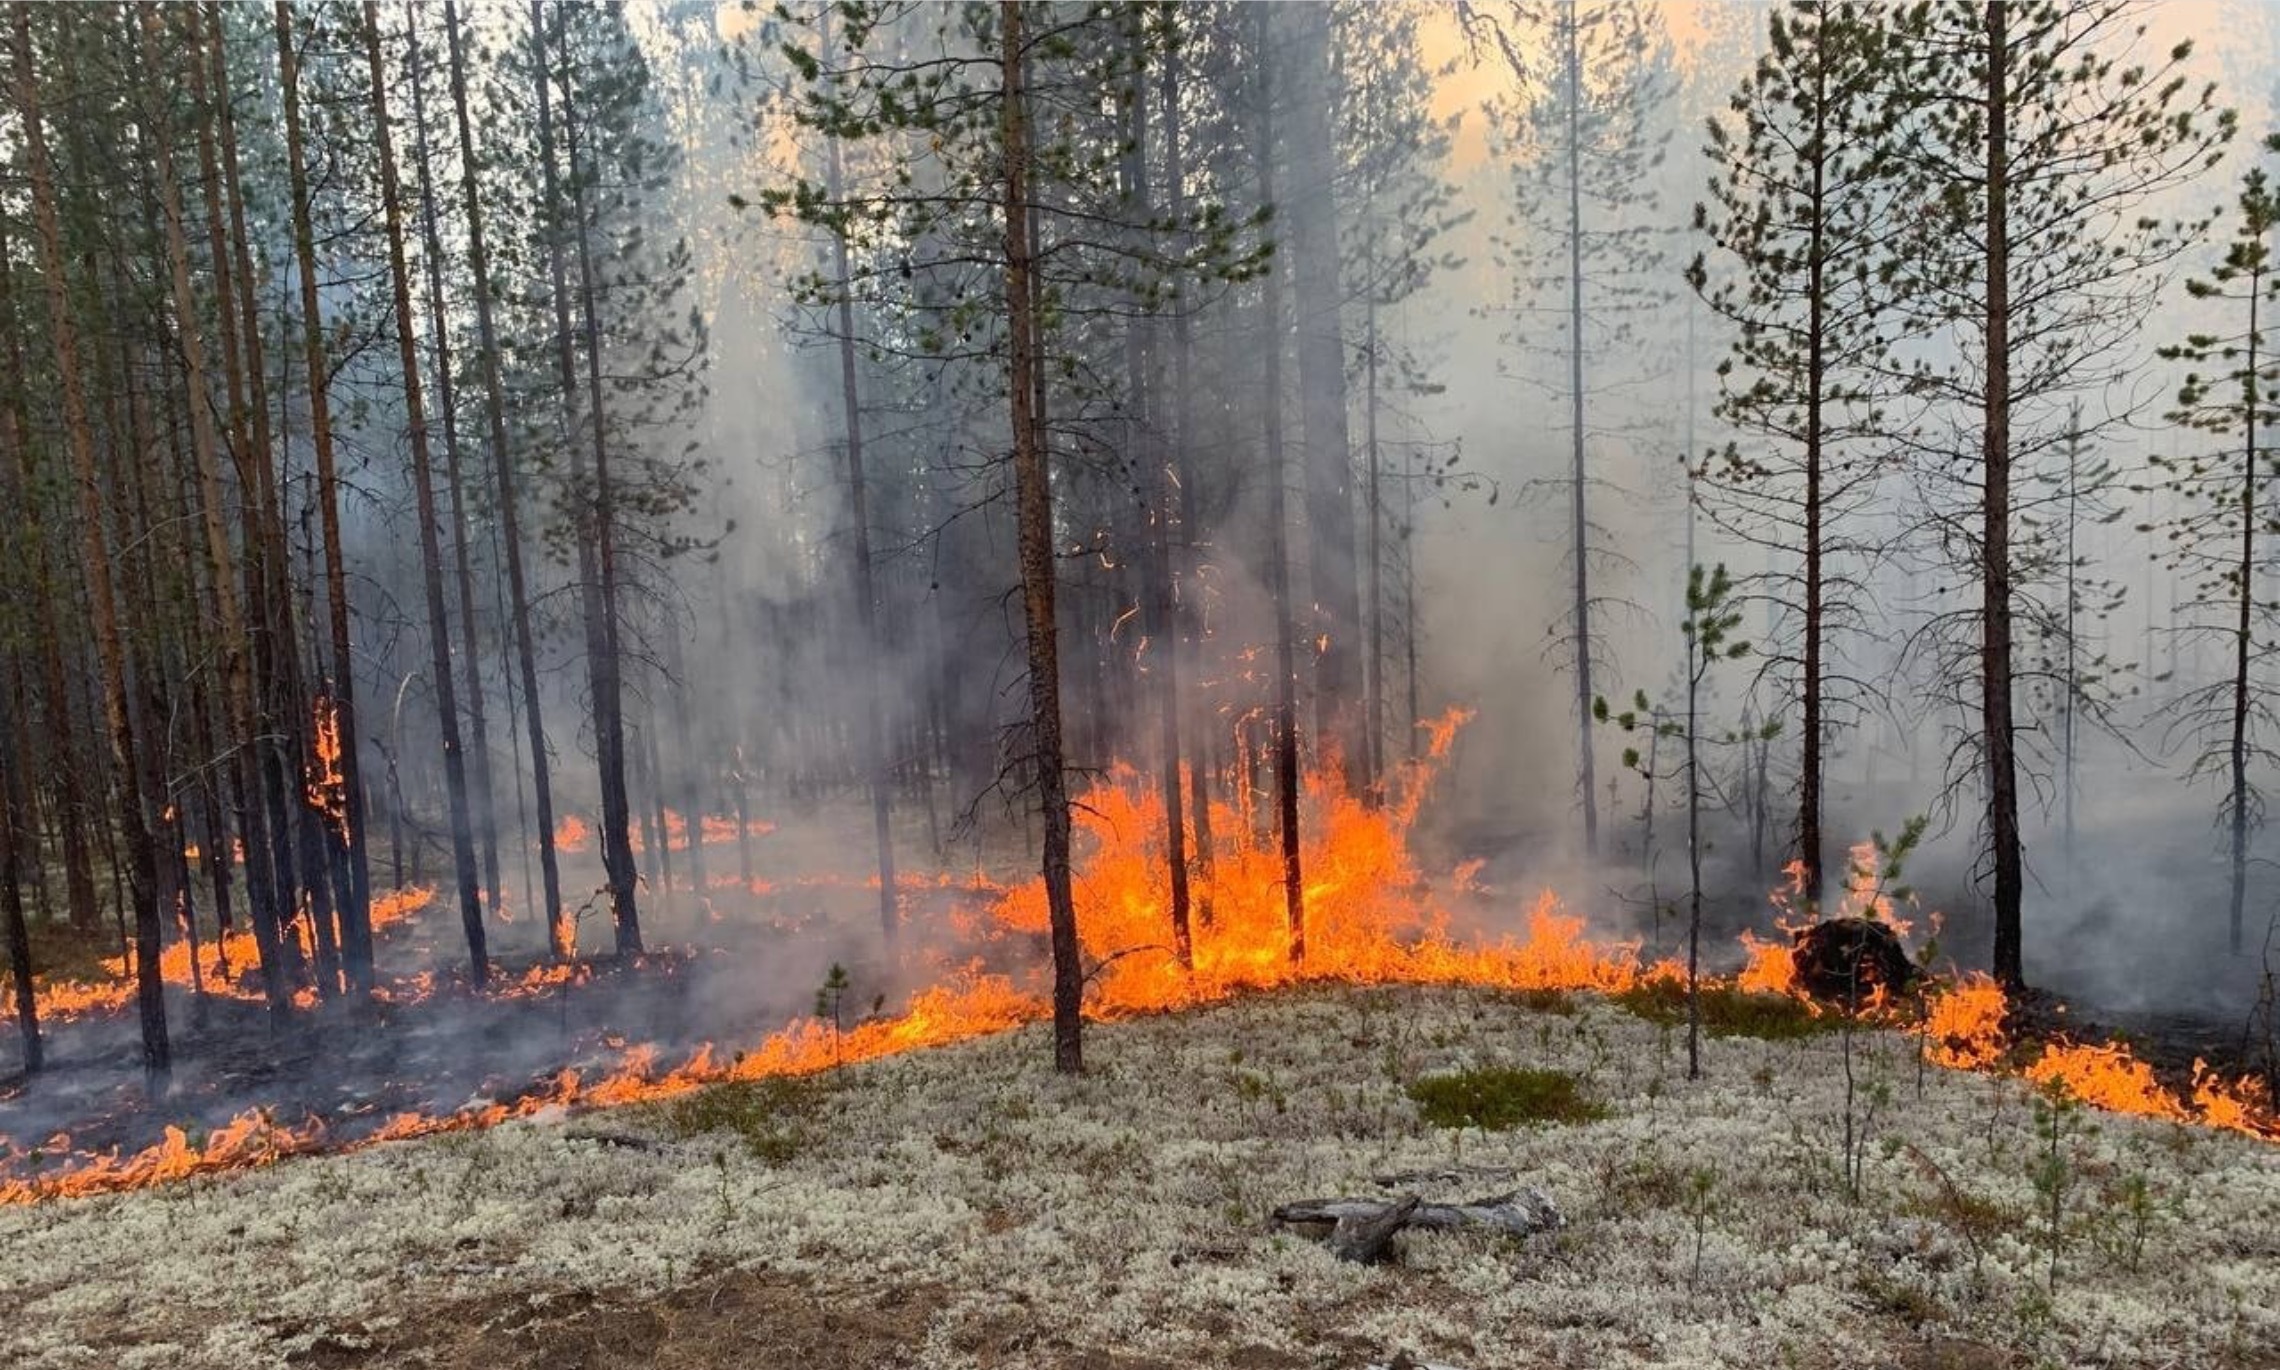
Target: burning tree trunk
423, 494
510, 525
1278, 543
1034, 496
350, 855
134, 815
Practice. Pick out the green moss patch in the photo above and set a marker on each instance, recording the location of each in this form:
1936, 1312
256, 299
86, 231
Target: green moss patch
1728, 1012
1499, 1098
774, 1118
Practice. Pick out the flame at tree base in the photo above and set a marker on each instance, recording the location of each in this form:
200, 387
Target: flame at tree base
1371, 919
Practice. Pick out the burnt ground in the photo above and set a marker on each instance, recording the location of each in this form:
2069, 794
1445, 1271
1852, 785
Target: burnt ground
430, 1042
747, 965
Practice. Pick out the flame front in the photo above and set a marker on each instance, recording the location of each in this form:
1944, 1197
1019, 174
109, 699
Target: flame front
1371, 918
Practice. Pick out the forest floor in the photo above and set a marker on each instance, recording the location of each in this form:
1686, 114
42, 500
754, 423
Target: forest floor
966, 1207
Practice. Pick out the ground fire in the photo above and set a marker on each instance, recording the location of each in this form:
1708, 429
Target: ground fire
1375, 918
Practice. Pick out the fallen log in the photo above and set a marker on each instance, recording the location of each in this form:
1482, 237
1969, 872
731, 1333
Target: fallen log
1363, 1229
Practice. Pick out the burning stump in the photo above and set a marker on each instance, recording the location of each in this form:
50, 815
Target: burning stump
1846, 960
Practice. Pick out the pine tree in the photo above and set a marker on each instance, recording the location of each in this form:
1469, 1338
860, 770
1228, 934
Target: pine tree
1585, 256
2230, 500
2035, 141
1800, 213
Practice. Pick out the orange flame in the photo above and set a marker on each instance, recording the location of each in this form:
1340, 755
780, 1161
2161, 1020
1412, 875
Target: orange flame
62, 1000
1369, 919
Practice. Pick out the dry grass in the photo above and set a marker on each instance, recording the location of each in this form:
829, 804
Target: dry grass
966, 1208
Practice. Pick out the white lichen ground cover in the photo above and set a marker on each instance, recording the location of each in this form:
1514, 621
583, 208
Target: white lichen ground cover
1709, 1223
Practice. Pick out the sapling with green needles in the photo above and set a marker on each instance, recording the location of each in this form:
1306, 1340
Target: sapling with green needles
1711, 619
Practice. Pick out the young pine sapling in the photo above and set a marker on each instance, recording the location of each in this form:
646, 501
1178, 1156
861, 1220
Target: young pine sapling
1711, 619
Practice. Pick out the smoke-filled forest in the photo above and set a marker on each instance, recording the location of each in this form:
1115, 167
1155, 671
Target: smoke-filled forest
861, 682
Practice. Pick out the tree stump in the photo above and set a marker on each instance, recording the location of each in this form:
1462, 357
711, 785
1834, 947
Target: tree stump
1845, 961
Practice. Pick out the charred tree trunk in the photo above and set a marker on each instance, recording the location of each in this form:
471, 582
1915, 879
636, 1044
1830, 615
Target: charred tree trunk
346, 830
1995, 670
234, 667
1312, 236
1579, 518
1034, 498
1144, 451
2237, 748
134, 816
876, 760
1809, 842
12, 923
478, 762
294, 827
1178, 423
1278, 548
695, 767
597, 576
510, 525
423, 493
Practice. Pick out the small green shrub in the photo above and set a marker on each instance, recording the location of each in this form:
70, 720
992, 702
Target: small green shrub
1728, 1012
1557, 1001
1498, 1098
772, 1117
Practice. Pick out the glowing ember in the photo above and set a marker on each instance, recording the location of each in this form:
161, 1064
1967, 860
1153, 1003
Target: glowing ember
326, 788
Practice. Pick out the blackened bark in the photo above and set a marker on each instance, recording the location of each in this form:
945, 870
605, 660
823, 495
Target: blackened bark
1144, 451
1579, 533
12, 922
508, 498
1311, 234
1995, 538
1034, 500
346, 830
1188, 608
484, 815
423, 494
595, 573
1278, 550
134, 817
876, 760
1809, 841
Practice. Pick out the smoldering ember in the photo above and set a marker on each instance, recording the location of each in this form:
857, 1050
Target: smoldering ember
1022, 684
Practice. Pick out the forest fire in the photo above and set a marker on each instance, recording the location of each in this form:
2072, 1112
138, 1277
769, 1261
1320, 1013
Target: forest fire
1372, 918
573, 833
64, 1000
